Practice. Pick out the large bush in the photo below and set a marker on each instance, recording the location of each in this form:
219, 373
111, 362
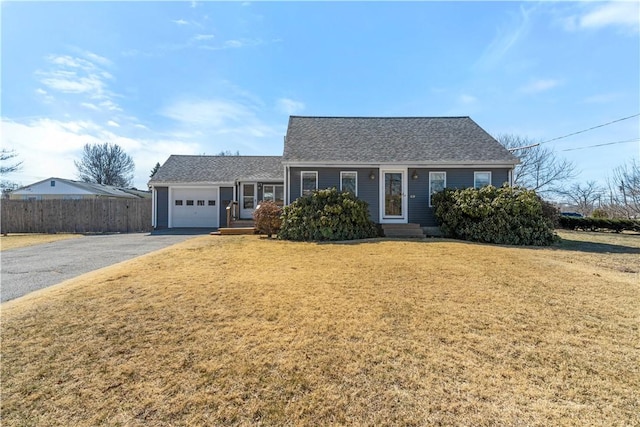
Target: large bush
327, 215
506, 215
267, 218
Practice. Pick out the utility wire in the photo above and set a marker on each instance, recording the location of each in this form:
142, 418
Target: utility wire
602, 145
574, 133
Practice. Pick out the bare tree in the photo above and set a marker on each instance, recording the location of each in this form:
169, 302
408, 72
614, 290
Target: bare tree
624, 190
540, 169
105, 164
8, 155
228, 153
584, 197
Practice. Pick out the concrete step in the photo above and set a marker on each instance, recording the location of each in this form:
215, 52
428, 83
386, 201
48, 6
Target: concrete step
243, 223
402, 230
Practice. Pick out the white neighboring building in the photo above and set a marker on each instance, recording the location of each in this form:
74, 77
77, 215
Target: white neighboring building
67, 189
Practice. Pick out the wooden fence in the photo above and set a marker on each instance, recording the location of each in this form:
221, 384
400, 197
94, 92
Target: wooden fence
104, 215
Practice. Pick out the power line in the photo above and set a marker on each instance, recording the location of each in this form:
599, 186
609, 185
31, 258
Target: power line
602, 145
591, 128
574, 133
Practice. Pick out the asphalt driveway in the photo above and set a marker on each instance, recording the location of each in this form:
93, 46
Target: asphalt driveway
24, 270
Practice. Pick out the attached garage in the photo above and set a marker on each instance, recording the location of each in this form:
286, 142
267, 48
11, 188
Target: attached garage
194, 207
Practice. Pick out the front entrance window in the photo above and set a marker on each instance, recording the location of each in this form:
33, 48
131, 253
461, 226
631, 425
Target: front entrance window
393, 194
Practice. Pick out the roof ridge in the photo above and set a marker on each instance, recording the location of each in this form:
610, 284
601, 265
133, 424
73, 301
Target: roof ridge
380, 117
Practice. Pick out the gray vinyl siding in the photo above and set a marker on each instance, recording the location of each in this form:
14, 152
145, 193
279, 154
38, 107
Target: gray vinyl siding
419, 210
162, 207
330, 177
226, 196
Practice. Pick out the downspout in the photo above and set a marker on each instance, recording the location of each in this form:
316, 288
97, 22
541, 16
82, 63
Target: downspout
154, 202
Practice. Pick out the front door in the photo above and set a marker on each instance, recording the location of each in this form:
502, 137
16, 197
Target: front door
393, 195
248, 200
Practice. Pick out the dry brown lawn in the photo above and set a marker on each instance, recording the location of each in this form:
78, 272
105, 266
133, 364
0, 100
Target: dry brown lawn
12, 241
241, 330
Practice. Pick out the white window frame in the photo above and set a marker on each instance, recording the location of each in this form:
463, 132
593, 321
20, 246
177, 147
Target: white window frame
355, 173
475, 178
302, 174
273, 191
431, 174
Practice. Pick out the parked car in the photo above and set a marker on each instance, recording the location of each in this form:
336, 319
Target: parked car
572, 214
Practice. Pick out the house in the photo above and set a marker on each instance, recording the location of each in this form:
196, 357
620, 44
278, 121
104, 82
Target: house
67, 189
395, 164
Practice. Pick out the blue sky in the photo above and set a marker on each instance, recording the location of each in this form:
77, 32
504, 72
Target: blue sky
161, 78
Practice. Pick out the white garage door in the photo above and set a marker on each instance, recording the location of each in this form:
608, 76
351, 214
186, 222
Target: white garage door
194, 207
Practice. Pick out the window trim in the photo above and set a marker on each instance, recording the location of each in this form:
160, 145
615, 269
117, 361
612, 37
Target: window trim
475, 174
178, 202
273, 191
302, 173
342, 173
431, 173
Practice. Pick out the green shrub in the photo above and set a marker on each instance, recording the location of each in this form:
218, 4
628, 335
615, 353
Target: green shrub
267, 218
327, 215
600, 213
599, 224
506, 215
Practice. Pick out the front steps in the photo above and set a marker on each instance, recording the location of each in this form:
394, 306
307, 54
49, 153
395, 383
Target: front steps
238, 226
403, 231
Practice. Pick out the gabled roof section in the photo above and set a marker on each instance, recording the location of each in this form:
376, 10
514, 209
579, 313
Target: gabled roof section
442, 140
219, 169
89, 187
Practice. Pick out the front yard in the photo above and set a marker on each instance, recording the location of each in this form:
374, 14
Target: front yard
242, 330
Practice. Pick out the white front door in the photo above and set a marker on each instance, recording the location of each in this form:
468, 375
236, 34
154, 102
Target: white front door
248, 200
393, 196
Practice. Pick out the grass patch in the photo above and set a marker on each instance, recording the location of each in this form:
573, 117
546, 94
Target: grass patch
13, 241
243, 330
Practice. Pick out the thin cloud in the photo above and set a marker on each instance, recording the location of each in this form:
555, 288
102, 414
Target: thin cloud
201, 37
505, 41
466, 99
289, 106
113, 124
539, 85
90, 106
180, 22
617, 14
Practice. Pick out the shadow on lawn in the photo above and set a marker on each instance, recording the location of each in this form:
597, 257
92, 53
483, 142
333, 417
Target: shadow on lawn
595, 247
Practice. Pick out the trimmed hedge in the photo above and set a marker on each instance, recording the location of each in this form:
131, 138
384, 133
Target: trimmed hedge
596, 224
327, 215
506, 215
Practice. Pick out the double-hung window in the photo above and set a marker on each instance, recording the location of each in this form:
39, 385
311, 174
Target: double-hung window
273, 193
349, 182
309, 182
481, 179
437, 182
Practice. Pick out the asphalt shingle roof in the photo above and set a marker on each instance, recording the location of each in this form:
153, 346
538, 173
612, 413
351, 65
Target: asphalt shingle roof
391, 140
211, 169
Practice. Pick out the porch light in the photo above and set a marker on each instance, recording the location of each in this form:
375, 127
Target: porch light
372, 176
415, 174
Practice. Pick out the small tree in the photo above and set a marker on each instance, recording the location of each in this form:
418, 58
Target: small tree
267, 217
106, 164
584, 197
155, 169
